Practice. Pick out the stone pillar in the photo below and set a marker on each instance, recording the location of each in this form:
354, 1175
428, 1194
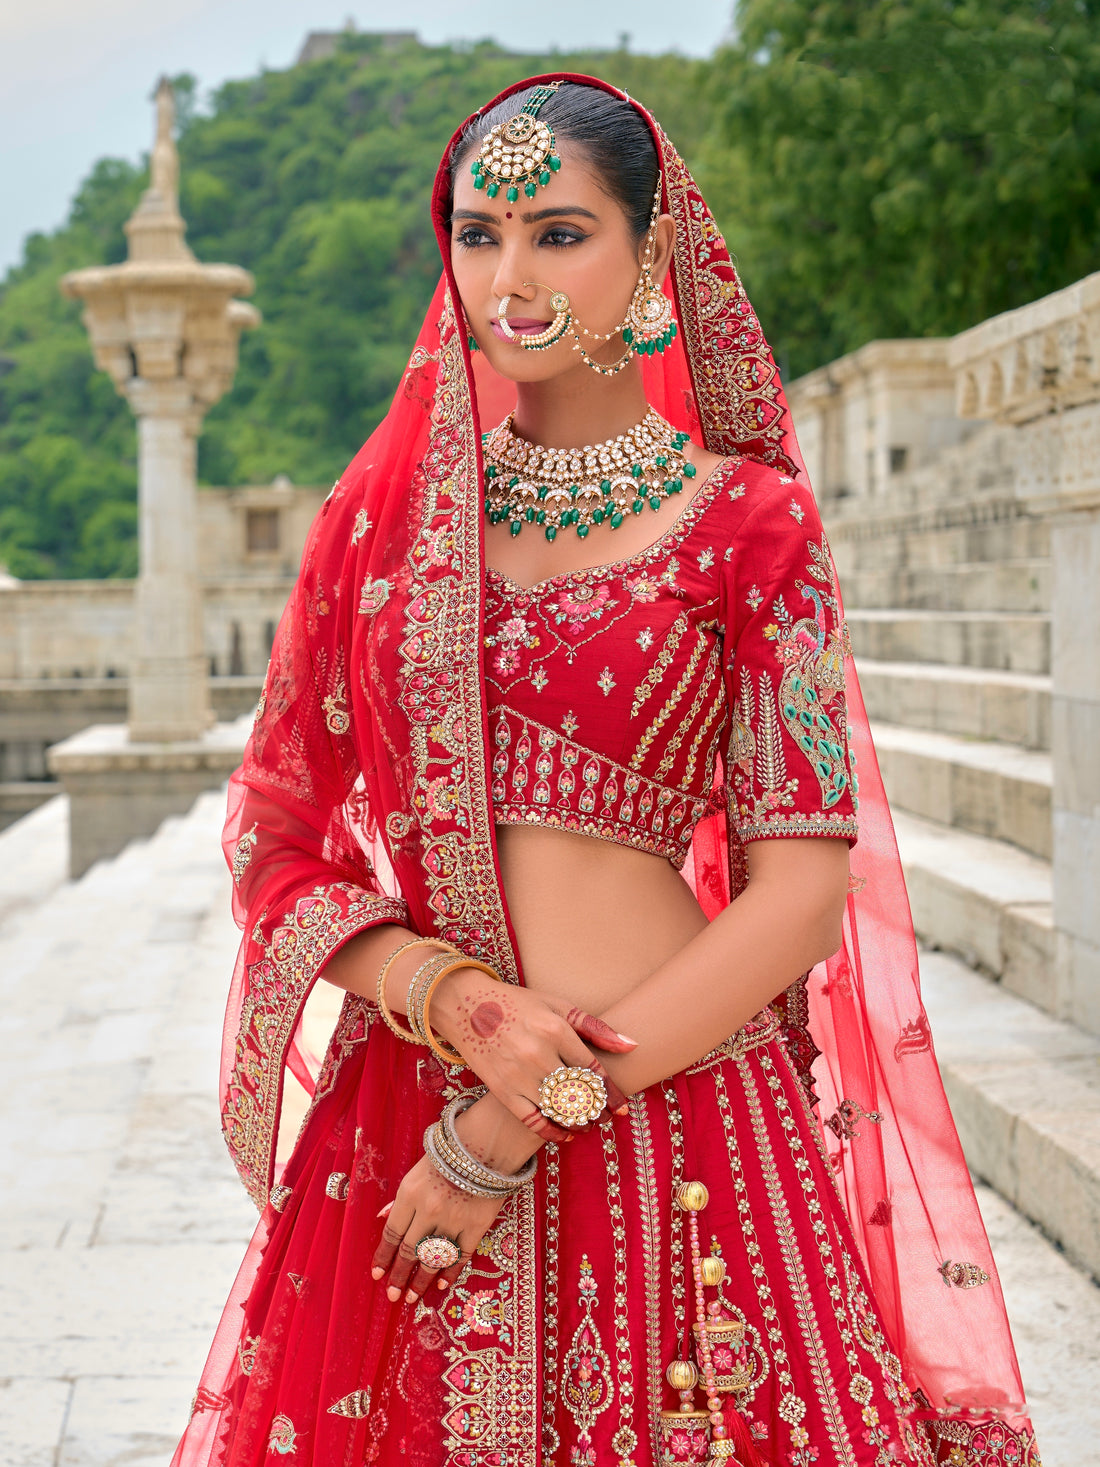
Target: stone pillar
169, 689
166, 328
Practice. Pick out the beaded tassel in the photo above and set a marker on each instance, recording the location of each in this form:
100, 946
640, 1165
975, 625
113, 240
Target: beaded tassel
684, 1433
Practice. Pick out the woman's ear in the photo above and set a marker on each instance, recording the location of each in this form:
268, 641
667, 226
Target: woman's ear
663, 246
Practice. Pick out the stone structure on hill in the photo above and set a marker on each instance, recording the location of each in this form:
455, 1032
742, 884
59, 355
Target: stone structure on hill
165, 328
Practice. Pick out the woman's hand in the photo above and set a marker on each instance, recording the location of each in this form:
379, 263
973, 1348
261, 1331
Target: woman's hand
512, 1039
427, 1204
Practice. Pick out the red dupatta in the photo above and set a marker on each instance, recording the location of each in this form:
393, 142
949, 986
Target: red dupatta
364, 798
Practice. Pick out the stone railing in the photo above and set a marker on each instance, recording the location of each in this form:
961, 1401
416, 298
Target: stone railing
1032, 361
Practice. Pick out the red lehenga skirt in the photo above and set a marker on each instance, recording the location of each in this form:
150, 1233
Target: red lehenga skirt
553, 1347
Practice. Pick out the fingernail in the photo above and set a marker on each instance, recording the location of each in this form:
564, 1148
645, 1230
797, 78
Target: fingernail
377, 1273
623, 1110
625, 1038
443, 1283
411, 1296
393, 1294
384, 1211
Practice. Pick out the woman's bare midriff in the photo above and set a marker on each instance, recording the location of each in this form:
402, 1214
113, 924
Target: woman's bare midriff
592, 919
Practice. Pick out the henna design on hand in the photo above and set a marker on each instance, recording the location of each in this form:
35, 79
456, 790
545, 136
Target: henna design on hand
537, 1122
616, 1100
487, 1018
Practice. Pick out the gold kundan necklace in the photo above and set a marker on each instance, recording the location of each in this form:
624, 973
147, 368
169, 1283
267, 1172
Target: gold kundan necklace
526, 484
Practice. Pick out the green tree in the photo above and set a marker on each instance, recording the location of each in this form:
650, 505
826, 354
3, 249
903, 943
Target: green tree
909, 167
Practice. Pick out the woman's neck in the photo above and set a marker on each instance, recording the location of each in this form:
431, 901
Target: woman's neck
580, 407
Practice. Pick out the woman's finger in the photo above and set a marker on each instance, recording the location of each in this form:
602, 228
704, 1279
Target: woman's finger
582, 1059
545, 1128
406, 1262
449, 1276
599, 1033
398, 1217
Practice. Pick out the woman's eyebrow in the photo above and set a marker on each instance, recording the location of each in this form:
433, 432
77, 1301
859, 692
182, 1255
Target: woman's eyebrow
534, 218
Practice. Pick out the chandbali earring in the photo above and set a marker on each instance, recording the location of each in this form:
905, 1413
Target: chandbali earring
562, 322
649, 325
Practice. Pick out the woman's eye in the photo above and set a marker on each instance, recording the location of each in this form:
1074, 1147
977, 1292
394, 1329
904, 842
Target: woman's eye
559, 238
472, 238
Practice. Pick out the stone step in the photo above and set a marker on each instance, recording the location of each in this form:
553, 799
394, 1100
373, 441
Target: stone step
1025, 1091
990, 789
1012, 641
34, 858
948, 535
987, 902
979, 703
1020, 585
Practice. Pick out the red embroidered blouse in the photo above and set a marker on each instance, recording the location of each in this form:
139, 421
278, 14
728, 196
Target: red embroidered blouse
613, 691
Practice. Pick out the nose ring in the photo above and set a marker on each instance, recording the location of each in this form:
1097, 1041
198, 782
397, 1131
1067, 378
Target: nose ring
563, 319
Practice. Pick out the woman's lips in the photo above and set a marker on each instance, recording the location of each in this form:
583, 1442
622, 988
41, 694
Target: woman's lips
521, 326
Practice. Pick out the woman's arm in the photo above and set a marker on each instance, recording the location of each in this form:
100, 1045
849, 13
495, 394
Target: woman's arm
787, 919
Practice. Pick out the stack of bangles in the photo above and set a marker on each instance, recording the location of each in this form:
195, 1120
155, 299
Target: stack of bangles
455, 1164
425, 981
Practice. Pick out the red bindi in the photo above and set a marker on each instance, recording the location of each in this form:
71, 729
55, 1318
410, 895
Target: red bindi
508, 215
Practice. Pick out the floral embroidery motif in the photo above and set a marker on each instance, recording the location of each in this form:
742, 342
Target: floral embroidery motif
736, 491
605, 682
963, 1275
243, 852
754, 596
362, 525
283, 1438
581, 605
795, 509
706, 558
515, 634
586, 1371
539, 678
644, 639
570, 723
335, 707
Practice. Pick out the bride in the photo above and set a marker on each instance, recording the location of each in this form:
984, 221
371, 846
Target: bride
629, 1146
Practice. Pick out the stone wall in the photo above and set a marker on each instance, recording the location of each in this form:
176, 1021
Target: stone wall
250, 542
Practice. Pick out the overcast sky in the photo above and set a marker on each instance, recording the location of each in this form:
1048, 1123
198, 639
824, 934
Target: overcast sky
76, 75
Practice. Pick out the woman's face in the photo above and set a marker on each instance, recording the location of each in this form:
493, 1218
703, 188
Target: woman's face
570, 237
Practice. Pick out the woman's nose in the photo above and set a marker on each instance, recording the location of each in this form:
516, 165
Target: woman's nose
513, 277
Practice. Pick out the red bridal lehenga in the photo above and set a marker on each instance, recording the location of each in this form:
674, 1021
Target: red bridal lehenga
684, 700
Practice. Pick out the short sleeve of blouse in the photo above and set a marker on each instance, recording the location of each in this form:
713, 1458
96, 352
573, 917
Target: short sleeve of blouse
789, 770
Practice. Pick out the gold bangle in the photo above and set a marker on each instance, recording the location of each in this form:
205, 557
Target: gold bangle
451, 1056
383, 1007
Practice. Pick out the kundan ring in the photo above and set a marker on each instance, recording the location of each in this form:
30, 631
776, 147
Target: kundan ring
572, 1097
437, 1251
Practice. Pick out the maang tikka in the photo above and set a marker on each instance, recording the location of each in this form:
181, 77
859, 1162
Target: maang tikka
518, 153
648, 326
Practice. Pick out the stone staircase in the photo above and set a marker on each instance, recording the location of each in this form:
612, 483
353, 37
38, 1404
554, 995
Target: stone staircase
948, 606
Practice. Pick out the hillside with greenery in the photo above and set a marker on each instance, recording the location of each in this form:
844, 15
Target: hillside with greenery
880, 168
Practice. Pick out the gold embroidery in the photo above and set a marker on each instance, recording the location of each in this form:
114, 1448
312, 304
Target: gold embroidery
637, 759
645, 1165
586, 1370
663, 661
625, 1439
355, 1405
283, 1438
551, 1171
279, 983
710, 677
335, 708
963, 1275
243, 853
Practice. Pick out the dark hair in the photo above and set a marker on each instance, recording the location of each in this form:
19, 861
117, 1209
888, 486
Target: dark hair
611, 132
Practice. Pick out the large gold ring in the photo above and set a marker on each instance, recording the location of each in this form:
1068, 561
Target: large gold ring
437, 1251
572, 1097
